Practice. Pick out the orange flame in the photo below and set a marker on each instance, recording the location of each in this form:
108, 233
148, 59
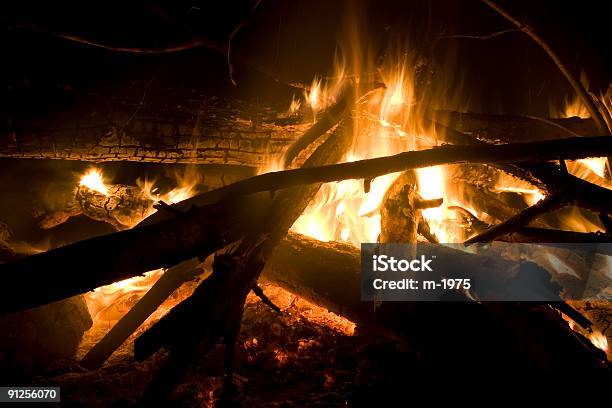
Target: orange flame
599, 340
94, 180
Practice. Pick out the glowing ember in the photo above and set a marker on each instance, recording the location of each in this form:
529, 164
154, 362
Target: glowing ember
93, 180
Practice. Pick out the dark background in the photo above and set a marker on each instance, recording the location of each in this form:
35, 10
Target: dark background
294, 40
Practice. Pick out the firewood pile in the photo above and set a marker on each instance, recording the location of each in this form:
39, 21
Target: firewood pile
217, 290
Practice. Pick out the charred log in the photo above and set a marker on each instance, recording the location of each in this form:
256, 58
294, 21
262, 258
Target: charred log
171, 280
572, 148
34, 340
219, 300
126, 254
337, 287
210, 132
513, 129
399, 215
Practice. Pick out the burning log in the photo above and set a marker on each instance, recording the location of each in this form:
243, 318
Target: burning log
337, 287
201, 123
399, 217
513, 129
521, 219
219, 300
127, 253
208, 228
33, 340
571, 148
400, 212
122, 206
171, 280
210, 135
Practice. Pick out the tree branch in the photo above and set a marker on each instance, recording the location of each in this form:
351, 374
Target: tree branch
480, 37
575, 83
570, 149
193, 42
521, 219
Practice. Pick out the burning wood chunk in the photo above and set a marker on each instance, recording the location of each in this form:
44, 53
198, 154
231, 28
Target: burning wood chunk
122, 206
399, 215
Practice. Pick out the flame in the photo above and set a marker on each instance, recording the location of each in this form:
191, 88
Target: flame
596, 164
397, 97
599, 340
575, 108
94, 180
431, 185
386, 124
187, 183
109, 303
294, 106
314, 95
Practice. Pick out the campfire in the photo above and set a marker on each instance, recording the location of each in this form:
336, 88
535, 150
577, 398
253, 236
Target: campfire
206, 215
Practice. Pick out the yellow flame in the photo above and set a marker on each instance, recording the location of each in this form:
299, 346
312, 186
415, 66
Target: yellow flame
94, 180
314, 94
575, 108
294, 106
397, 97
110, 302
599, 340
431, 185
510, 184
596, 164
186, 187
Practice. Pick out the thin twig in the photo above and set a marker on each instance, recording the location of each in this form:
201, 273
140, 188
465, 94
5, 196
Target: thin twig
144, 92
521, 219
480, 37
258, 291
235, 31
193, 42
575, 83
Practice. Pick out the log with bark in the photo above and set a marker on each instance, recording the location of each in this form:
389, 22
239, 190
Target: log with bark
147, 113
218, 302
123, 206
484, 328
513, 129
184, 233
503, 155
58, 273
168, 239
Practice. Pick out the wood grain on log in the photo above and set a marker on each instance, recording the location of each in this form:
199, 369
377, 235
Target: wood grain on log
399, 215
213, 131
